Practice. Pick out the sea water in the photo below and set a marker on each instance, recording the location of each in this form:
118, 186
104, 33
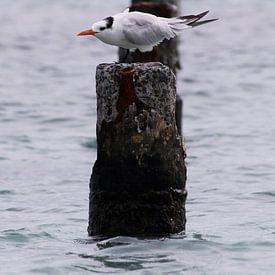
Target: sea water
48, 142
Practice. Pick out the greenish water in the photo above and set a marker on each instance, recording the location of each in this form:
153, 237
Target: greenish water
48, 145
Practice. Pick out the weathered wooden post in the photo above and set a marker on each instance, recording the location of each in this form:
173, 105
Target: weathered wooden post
138, 181
167, 52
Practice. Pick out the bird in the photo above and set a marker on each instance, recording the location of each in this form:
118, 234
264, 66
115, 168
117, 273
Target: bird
141, 31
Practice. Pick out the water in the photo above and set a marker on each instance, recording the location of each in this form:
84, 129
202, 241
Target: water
47, 143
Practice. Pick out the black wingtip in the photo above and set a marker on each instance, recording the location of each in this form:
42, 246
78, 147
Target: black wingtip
200, 15
194, 18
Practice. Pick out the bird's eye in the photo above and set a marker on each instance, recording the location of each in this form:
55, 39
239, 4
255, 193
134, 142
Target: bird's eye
102, 28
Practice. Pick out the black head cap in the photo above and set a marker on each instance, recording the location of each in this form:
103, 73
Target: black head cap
110, 21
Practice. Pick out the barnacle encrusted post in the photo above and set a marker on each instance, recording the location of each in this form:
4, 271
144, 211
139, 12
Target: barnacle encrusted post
138, 182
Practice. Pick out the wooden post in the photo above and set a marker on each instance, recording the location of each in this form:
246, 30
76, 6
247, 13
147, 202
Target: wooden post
138, 182
167, 52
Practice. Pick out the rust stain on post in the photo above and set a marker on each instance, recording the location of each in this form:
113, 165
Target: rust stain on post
127, 93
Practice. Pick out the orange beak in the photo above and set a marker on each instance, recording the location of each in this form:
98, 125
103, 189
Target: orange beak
87, 32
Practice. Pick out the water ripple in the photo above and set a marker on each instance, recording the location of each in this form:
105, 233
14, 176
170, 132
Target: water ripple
23, 235
265, 193
91, 143
6, 192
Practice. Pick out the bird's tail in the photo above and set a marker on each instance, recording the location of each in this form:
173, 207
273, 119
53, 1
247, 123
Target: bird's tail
177, 24
193, 20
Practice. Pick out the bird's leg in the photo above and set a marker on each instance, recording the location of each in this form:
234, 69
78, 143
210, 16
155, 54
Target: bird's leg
126, 55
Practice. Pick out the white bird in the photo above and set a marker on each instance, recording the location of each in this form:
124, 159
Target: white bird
142, 31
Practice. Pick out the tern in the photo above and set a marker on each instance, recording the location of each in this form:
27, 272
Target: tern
141, 31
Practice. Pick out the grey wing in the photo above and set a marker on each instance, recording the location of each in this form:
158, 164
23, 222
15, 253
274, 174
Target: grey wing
146, 30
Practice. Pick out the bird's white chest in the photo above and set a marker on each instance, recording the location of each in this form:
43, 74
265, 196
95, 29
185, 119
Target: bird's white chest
113, 37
